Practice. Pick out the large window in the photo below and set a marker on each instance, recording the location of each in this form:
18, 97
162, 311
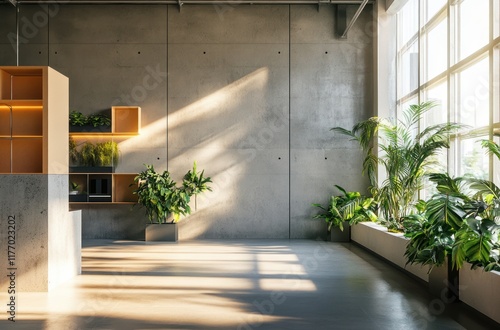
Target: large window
449, 52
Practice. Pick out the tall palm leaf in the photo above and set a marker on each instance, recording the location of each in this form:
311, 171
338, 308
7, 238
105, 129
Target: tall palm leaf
406, 156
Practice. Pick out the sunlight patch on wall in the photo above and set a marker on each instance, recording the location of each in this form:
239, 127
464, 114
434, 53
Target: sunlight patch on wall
210, 106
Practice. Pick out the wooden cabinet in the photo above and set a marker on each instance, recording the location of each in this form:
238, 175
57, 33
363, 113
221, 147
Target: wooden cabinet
32, 100
100, 184
34, 105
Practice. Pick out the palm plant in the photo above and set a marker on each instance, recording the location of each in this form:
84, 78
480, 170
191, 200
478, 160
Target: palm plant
406, 155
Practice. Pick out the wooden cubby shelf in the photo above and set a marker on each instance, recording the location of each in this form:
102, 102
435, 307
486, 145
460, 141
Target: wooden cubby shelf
25, 144
107, 188
125, 121
103, 188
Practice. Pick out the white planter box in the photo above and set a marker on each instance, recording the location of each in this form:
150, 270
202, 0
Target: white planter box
480, 290
390, 246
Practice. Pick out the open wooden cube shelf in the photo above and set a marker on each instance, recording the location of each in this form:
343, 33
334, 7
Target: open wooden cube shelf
27, 121
32, 140
123, 187
26, 155
4, 121
125, 119
5, 150
21, 83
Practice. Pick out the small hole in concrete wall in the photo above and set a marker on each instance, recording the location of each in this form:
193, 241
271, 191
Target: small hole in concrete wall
158, 158
279, 52
39, 52
279, 158
138, 52
204, 52
326, 158
326, 52
55, 52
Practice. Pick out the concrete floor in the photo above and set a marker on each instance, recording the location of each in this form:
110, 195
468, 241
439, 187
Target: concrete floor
254, 284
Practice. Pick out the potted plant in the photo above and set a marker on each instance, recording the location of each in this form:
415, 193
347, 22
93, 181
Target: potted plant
75, 193
165, 202
77, 119
460, 221
98, 120
79, 122
457, 225
345, 210
406, 156
73, 152
101, 157
431, 233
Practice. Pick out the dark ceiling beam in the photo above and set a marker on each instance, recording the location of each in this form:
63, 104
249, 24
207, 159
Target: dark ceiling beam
192, 2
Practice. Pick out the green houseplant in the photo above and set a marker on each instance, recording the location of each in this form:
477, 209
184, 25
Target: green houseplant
98, 119
159, 194
460, 223
77, 118
80, 122
73, 152
405, 154
95, 155
344, 210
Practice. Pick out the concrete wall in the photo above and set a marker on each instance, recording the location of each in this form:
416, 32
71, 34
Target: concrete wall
249, 92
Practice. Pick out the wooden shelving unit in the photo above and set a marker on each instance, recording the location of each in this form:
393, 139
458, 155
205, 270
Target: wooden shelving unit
25, 143
104, 187
34, 102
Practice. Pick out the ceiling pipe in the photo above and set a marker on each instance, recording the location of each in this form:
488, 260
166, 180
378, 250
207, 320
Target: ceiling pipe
354, 18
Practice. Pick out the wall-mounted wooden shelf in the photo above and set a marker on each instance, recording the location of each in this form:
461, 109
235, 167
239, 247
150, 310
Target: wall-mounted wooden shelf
25, 143
108, 188
103, 188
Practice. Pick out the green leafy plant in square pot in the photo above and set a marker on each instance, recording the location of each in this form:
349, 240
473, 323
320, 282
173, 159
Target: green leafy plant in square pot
96, 122
165, 202
101, 157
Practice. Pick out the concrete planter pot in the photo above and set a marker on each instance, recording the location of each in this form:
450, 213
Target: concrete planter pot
480, 290
89, 129
390, 246
337, 235
444, 281
162, 232
91, 169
